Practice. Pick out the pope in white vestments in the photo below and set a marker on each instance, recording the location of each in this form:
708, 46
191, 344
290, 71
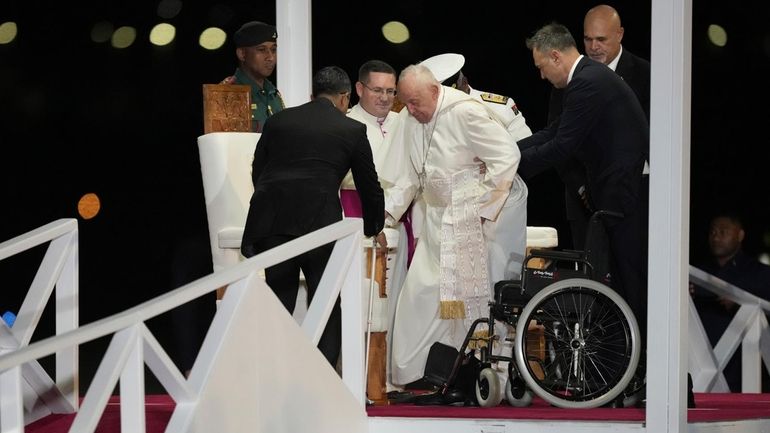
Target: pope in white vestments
474, 232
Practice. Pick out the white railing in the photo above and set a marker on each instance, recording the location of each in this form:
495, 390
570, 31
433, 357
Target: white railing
244, 350
748, 329
27, 392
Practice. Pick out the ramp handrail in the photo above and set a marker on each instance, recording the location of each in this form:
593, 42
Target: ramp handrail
133, 345
59, 269
748, 329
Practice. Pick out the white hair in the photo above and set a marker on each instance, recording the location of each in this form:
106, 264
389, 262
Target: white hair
421, 74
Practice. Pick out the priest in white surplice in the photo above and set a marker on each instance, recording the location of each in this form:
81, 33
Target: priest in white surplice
474, 232
376, 90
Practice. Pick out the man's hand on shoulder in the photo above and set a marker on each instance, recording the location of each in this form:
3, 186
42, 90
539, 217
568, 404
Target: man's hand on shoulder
228, 80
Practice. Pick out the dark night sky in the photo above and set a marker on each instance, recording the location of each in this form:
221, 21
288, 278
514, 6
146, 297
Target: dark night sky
81, 117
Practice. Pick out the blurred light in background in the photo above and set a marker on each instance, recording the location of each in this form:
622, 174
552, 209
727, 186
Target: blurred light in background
102, 32
162, 34
89, 206
8, 31
395, 32
717, 35
212, 38
168, 9
123, 37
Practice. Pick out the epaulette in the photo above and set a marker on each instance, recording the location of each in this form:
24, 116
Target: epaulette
491, 97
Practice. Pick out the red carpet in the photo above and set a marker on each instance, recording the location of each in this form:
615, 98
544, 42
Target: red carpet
711, 407
158, 409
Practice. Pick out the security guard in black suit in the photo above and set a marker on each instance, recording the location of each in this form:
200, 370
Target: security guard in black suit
602, 36
299, 163
603, 127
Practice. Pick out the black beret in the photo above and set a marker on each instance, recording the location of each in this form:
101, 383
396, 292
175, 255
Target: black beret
254, 33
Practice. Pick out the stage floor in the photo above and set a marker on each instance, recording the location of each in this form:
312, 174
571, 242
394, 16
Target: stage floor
724, 413
710, 407
714, 412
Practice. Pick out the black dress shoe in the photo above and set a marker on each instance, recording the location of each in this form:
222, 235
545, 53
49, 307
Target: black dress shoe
452, 397
432, 399
401, 396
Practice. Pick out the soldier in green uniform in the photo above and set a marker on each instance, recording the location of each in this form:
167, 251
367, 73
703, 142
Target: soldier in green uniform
257, 54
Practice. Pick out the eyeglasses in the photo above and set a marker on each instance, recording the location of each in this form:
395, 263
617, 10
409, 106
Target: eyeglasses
380, 91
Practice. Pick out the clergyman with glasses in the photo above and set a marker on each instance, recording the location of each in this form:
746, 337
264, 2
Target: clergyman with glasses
376, 89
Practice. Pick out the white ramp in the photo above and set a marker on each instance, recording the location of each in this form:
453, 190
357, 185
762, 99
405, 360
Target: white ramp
258, 372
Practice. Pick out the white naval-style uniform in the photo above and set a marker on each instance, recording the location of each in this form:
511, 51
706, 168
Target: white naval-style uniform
442, 153
380, 133
507, 112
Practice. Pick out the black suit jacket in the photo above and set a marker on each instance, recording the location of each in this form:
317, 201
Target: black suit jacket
603, 126
633, 69
299, 163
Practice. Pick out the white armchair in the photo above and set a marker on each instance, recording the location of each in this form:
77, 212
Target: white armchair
225, 159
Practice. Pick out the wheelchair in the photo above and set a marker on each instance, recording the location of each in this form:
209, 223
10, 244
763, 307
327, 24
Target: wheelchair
576, 342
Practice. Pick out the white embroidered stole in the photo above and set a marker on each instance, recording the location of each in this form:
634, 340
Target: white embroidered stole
464, 279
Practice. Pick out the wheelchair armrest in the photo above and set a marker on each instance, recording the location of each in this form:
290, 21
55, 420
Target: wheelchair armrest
508, 292
556, 255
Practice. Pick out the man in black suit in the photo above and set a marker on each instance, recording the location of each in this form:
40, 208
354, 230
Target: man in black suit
299, 163
603, 127
602, 36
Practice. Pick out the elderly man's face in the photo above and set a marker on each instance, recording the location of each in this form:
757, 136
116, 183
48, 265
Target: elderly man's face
420, 98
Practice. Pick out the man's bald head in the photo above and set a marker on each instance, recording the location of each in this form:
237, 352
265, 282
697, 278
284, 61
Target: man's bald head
602, 33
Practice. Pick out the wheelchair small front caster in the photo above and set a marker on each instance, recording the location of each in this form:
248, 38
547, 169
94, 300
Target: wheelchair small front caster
517, 394
488, 392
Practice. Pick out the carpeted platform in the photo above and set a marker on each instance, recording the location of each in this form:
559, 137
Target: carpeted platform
711, 408
158, 409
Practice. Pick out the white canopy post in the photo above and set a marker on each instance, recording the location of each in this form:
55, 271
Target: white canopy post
295, 61
671, 58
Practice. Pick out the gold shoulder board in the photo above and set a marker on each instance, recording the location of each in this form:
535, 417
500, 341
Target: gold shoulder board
491, 97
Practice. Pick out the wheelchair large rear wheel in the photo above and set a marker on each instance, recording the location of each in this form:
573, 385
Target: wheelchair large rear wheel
591, 344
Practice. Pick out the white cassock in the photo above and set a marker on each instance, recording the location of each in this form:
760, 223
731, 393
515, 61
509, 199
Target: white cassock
457, 260
380, 133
